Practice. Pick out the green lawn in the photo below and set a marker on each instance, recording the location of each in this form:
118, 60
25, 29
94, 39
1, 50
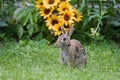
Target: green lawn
32, 60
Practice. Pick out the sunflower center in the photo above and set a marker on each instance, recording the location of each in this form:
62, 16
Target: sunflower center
66, 26
66, 17
54, 21
75, 16
59, 29
51, 1
64, 9
62, 0
41, 3
47, 11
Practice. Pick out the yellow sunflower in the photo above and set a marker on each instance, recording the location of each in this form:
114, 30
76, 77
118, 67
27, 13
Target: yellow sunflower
67, 27
39, 4
50, 3
53, 22
67, 17
64, 0
58, 31
77, 15
46, 12
63, 7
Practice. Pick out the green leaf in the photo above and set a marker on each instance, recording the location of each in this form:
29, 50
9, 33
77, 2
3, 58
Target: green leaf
82, 5
21, 14
20, 31
31, 18
3, 24
2, 35
30, 29
35, 27
25, 19
92, 16
114, 1
36, 16
115, 23
2, 5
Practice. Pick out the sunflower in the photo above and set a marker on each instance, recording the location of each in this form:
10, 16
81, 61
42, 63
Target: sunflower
64, 0
58, 31
53, 22
63, 7
46, 12
67, 17
58, 13
77, 15
67, 27
50, 3
39, 4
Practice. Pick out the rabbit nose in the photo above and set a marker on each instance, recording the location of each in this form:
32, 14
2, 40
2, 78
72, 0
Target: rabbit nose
57, 44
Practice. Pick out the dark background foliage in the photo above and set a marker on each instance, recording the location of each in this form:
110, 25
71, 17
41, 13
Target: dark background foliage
20, 20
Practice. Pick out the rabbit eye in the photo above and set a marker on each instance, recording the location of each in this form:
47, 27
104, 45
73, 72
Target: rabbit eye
64, 39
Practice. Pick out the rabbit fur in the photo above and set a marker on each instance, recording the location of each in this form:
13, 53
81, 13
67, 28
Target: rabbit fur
72, 52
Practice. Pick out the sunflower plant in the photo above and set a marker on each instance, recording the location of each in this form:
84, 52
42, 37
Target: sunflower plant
58, 13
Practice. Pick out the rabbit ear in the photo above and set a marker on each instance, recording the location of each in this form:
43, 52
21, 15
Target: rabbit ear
63, 30
71, 31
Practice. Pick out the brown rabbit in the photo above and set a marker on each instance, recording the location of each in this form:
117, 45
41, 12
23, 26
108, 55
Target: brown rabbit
71, 51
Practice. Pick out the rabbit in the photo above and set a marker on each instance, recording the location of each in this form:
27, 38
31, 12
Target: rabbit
72, 52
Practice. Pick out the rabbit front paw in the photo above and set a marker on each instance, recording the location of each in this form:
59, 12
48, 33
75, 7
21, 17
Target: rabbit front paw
62, 61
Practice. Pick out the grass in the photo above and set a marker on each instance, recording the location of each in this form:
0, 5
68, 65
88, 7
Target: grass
31, 60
